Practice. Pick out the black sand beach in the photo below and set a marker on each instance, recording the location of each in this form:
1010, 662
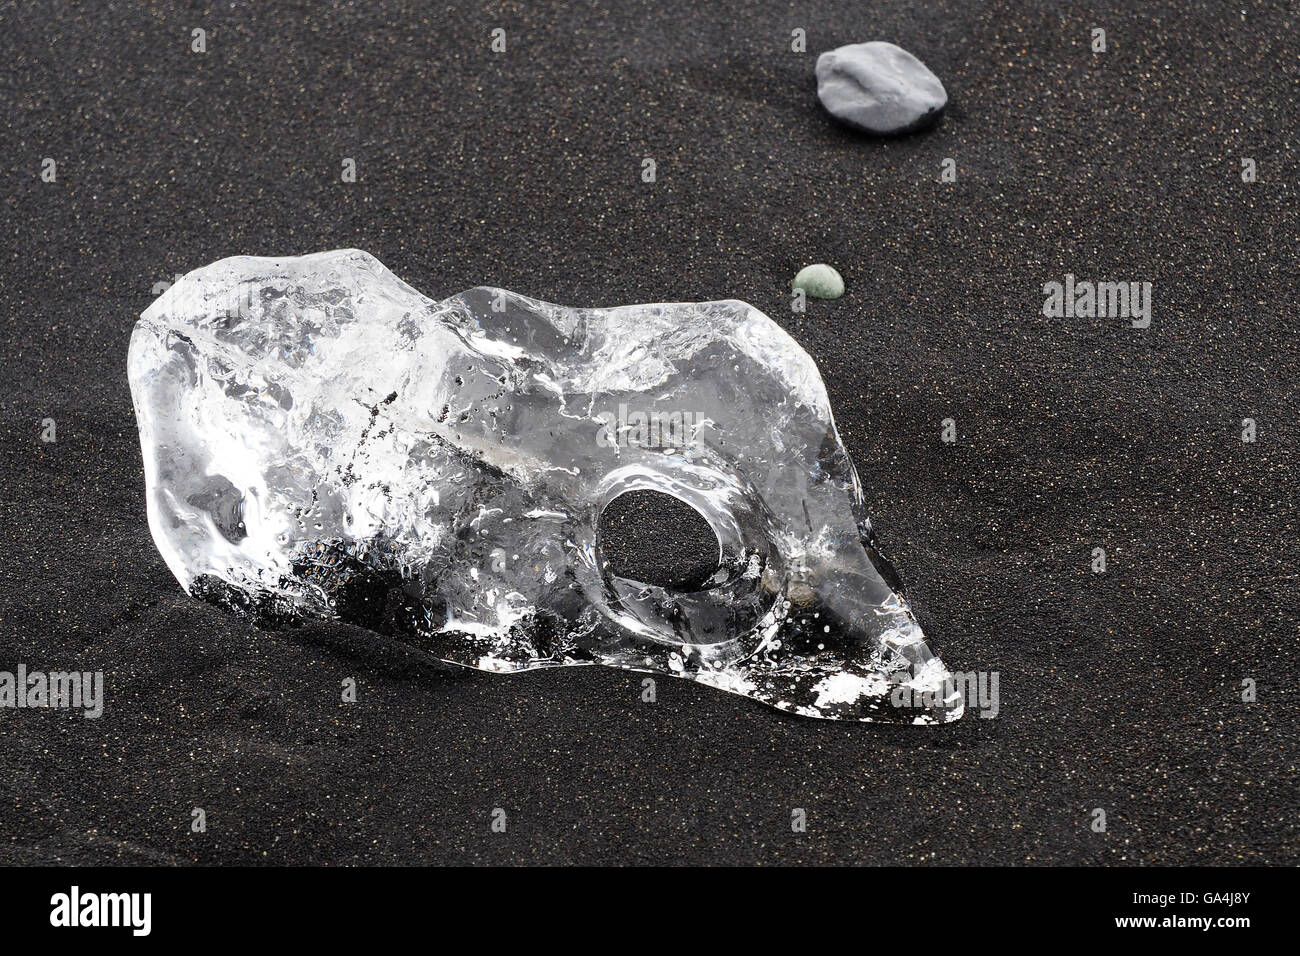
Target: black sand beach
522, 169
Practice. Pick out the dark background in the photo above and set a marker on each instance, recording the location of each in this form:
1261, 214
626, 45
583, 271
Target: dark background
522, 170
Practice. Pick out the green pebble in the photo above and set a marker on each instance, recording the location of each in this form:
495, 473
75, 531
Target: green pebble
820, 281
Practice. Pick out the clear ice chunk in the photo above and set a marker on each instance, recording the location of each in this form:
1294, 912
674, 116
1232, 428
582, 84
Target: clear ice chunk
320, 440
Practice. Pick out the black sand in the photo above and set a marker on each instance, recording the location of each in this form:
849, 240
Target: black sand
522, 169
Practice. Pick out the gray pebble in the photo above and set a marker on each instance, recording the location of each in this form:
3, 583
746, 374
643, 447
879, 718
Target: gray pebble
879, 88
819, 281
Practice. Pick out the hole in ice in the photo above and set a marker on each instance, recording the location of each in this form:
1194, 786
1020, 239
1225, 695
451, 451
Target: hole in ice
658, 539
